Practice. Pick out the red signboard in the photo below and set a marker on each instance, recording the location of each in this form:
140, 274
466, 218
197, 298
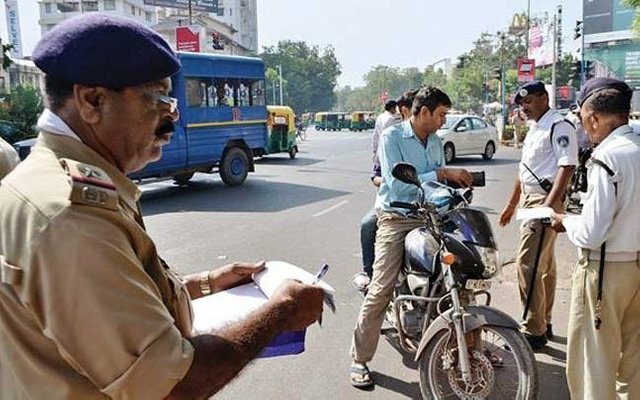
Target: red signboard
187, 39
526, 69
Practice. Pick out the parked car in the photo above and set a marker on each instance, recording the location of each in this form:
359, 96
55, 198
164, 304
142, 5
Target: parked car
23, 147
464, 135
9, 131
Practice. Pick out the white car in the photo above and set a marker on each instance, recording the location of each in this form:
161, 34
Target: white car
464, 135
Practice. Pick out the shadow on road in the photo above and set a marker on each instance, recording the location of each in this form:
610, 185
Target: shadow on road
409, 389
478, 161
552, 381
286, 160
212, 195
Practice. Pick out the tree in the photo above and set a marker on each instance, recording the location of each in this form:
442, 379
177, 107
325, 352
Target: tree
310, 74
25, 106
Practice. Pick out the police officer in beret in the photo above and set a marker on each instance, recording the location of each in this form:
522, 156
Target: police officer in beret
549, 157
603, 351
88, 309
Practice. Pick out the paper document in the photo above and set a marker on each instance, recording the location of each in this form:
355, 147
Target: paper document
218, 310
524, 214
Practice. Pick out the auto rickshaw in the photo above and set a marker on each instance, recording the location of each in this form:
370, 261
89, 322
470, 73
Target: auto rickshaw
360, 120
344, 121
282, 131
333, 121
321, 121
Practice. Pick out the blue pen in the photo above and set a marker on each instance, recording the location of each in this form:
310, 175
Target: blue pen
320, 274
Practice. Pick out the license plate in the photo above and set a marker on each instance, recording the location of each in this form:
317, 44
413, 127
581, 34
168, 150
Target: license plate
478, 284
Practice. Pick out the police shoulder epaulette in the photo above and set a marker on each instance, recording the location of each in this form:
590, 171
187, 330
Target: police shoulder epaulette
90, 185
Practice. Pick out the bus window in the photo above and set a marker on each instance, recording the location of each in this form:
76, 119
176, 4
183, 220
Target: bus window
243, 94
197, 92
257, 93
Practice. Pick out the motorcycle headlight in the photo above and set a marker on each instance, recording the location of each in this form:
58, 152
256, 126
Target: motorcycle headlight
490, 259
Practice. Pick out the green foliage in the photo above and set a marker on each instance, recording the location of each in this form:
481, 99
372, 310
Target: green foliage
25, 106
636, 20
310, 75
465, 86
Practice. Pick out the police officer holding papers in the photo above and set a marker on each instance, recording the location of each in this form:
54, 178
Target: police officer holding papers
549, 156
603, 351
88, 310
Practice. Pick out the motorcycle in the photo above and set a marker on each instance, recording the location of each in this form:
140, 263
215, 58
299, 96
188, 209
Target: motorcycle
464, 349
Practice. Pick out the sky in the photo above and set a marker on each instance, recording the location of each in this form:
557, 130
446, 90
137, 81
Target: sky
366, 33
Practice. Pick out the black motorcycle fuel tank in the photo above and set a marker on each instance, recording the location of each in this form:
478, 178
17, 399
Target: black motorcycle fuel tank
420, 249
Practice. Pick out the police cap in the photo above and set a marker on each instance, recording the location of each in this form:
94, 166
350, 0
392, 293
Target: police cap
104, 50
596, 84
527, 89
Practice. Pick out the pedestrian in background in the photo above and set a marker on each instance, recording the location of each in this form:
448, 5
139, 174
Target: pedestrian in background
549, 157
603, 351
8, 158
387, 118
88, 310
519, 122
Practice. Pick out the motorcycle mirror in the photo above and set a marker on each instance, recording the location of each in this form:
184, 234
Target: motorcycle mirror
406, 173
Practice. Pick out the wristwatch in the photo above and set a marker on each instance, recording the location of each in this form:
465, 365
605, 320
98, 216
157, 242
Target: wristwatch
205, 286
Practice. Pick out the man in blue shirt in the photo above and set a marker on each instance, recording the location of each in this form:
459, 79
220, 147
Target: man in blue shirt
413, 141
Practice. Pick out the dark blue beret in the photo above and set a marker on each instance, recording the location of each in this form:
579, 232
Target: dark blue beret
527, 89
104, 50
595, 84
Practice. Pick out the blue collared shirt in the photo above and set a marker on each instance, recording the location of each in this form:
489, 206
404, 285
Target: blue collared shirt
400, 144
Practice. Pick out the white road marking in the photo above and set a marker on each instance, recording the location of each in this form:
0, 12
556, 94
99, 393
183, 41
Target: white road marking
333, 207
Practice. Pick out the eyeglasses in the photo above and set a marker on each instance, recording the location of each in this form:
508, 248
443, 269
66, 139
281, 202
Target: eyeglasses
163, 98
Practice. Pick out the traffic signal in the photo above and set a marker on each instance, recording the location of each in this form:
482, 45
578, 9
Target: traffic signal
577, 30
461, 61
576, 70
215, 42
497, 73
589, 69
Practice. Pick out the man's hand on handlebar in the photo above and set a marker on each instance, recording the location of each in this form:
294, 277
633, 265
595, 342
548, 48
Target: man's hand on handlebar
460, 176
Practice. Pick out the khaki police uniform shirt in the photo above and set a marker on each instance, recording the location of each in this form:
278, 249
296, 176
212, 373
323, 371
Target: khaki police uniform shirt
8, 158
87, 309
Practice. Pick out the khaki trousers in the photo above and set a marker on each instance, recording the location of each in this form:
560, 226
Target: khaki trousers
392, 229
604, 364
544, 287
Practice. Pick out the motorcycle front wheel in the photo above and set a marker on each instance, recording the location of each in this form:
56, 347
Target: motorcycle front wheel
502, 366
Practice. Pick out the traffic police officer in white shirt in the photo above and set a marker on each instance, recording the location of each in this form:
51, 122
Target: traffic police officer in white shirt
604, 321
549, 157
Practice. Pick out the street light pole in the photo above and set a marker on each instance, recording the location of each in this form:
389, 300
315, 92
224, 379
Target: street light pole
503, 85
280, 73
526, 39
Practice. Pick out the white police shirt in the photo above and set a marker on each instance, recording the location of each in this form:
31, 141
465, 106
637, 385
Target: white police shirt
543, 154
607, 215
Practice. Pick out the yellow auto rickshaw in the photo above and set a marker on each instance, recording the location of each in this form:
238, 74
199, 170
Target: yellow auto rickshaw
321, 121
282, 131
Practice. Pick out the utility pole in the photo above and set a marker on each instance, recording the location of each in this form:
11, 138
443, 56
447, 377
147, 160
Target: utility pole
554, 60
190, 14
526, 39
503, 86
280, 73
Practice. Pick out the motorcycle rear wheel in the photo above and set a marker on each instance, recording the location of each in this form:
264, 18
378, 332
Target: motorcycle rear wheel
502, 368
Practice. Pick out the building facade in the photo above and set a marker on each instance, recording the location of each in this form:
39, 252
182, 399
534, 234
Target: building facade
241, 15
609, 43
53, 12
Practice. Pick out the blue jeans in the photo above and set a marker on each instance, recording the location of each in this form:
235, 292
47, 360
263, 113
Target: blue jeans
368, 229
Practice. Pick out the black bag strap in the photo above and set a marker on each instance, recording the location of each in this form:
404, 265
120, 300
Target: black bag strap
531, 172
598, 309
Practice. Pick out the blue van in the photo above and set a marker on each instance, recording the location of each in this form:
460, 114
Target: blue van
223, 119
